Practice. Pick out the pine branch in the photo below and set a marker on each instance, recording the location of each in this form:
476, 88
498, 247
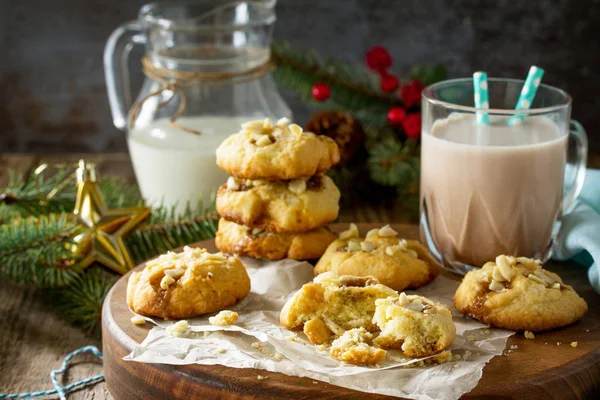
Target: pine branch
165, 231
394, 163
81, 302
354, 90
35, 251
27, 196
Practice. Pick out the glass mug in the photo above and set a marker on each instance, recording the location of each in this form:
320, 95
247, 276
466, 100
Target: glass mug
207, 69
497, 188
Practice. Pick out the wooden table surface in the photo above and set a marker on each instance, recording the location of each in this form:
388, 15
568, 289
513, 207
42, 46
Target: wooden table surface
33, 340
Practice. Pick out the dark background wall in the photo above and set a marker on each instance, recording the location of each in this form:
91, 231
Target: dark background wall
52, 95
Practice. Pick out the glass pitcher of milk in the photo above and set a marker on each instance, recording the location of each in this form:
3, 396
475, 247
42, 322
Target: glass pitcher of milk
206, 69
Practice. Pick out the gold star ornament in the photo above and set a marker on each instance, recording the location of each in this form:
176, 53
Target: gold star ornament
99, 236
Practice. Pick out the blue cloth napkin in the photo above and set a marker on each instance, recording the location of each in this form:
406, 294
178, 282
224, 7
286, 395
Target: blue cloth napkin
579, 237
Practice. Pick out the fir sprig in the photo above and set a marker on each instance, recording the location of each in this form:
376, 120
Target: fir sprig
165, 230
394, 163
354, 89
36, 250
29, 195
81, 302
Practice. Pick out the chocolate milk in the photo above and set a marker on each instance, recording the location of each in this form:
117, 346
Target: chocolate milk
492, 189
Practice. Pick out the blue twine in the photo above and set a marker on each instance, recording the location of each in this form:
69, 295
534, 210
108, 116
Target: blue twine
58, 389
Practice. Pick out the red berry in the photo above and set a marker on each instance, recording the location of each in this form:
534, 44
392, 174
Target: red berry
412, 125
411, 93
320, 91
378, 59
389, 83
396, 115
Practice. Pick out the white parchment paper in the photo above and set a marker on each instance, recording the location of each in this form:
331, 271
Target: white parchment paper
272, 284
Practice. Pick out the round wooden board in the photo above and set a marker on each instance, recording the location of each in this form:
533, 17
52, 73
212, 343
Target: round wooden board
537, 369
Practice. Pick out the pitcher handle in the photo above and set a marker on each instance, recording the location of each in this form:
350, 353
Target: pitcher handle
576, 164
116, 69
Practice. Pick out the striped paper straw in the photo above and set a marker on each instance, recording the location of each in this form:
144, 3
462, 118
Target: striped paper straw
481, 97
530, 87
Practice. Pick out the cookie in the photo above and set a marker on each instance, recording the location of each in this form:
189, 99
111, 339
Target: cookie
395, 262
356, 347
518, 294
279, 206
257, 243
414, 324
187, 284
264, 151
341, 303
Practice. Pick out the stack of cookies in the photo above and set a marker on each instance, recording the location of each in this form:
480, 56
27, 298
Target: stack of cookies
278, 199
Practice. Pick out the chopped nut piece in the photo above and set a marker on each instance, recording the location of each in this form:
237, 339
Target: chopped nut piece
282, 121
573, 344
505, 268
166, 281
542, 275
415, 305
367, 246
392, 250
175, 273
496, 286
295, 129
353, 245
220, 350
529, 335
277, 357
224, 318
264, 141
497, 275
372, 234
137, 320
253, 125
232, 183
297, 186
333, 327
537, 279
402, 299
387, 231
556, 285
351, 232
261, 378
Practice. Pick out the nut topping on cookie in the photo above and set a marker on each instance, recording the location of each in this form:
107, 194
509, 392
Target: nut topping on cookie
387, 231
232, 183
366, 246
351, 232
297, 186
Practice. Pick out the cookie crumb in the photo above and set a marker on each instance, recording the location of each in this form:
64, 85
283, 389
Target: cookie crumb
261, 378
224, 318
573, 344
179, 329
137, 320
529, 335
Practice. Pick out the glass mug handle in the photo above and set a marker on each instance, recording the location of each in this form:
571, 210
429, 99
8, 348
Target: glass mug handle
116, 69
576, 164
